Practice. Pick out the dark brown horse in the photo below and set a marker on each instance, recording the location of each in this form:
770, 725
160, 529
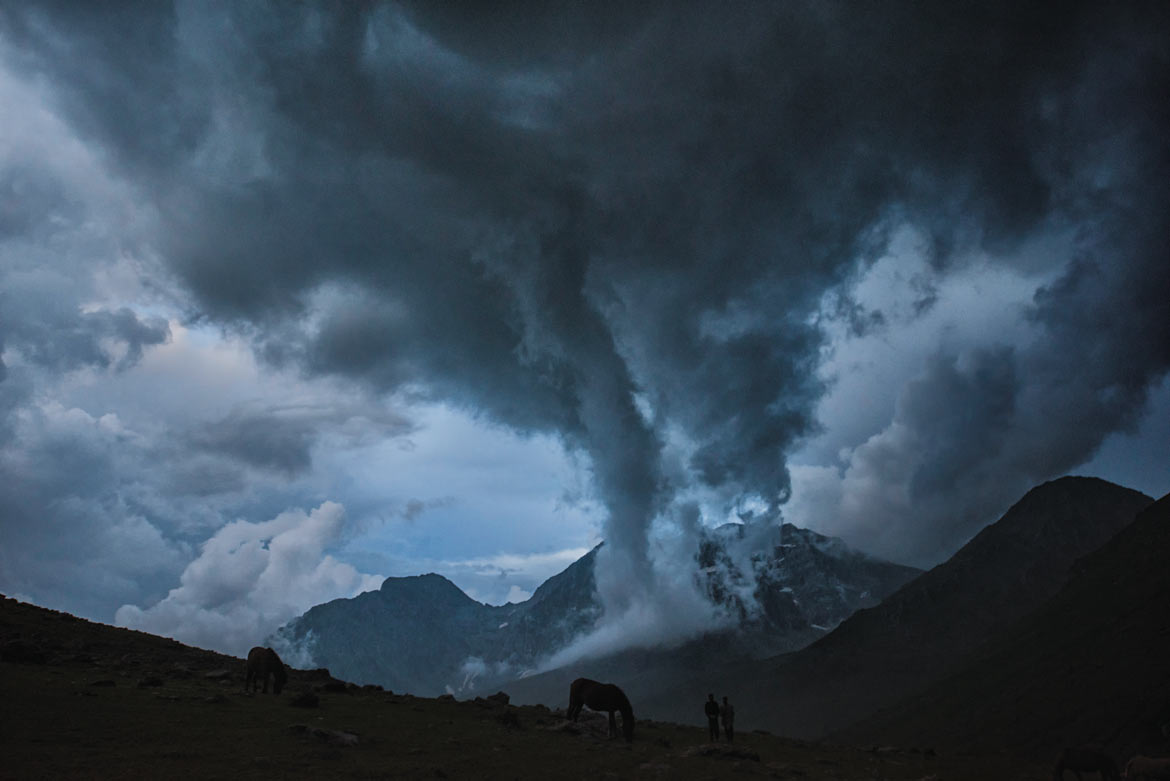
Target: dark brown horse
1086, 760
263, 662
602, 697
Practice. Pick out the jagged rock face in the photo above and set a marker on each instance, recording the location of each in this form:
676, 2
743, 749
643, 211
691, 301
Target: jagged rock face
786, 582
783, 586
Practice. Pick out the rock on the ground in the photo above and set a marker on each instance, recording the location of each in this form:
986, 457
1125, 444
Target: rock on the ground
721, 751
332, 737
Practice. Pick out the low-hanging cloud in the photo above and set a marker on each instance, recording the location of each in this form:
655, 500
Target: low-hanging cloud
251, 578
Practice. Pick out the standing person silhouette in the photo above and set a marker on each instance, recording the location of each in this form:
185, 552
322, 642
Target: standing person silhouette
728, 714
711, 708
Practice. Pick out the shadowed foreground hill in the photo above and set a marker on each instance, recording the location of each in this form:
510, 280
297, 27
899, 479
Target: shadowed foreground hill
1091, 666
929, 627
85, 700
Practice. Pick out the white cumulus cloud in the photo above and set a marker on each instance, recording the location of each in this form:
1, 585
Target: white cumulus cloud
250, 578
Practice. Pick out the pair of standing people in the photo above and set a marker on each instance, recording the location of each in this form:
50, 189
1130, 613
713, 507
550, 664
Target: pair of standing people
715, 712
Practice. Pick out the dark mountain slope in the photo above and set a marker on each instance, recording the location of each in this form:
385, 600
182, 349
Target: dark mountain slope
932, 624
1091, 666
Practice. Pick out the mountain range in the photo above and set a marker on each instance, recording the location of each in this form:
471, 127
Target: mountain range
933, 624
1049, 628
781, 588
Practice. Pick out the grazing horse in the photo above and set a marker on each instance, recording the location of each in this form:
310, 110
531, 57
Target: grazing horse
263, 662
602, 697
1146, 768
1088, 760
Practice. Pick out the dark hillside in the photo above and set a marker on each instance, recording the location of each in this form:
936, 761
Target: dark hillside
1091, 666
84, 700
927, 628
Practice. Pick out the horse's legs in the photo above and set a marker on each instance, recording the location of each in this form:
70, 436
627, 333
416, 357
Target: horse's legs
612, 725
574, 708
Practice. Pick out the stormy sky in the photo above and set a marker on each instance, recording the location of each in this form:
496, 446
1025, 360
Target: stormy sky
294, 297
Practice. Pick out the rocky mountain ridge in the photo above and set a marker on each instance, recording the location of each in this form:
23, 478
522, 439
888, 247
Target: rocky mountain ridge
782, 587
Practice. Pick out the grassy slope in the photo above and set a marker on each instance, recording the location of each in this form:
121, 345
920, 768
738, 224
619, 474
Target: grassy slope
56, 724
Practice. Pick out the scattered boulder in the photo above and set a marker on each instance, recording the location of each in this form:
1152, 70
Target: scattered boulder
509, 718
721, 751
218, 675
305, 700
446, 698
589, 724
658, 768
500, 698
332, 737
20, 651
334, 685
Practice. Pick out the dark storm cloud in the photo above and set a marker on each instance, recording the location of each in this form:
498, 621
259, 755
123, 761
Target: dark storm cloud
546, 226
31, 201
72, 515
281, 439
42, 318
262, 440
50, 332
